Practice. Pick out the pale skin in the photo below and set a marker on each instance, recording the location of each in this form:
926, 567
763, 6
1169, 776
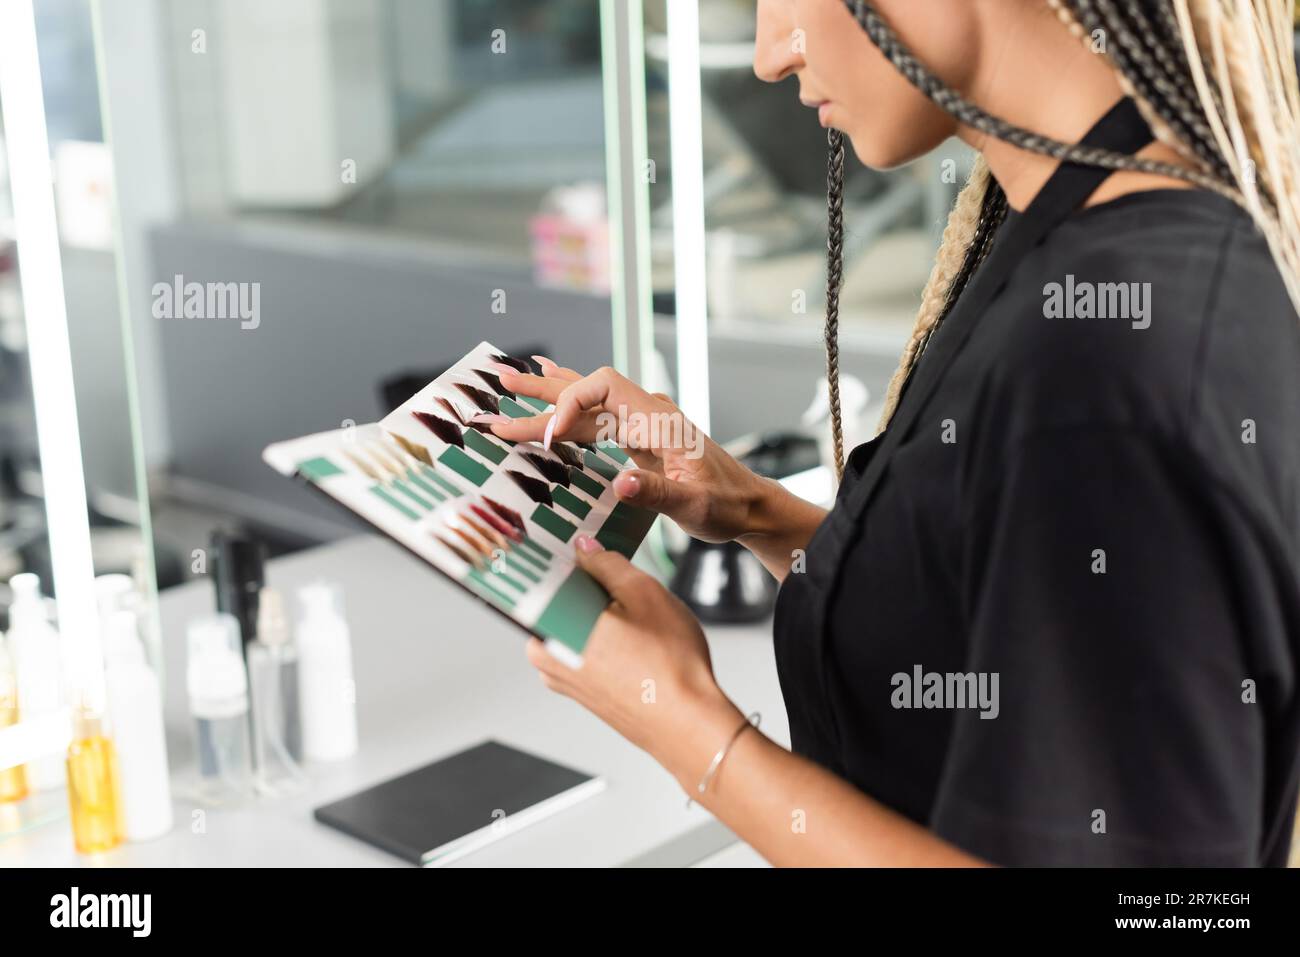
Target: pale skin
1014, 59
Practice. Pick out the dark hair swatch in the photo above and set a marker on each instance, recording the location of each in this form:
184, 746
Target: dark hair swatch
519, 365
554, 471
567, 454
485, 401
494, 383
456, 414
440, 427
535, 489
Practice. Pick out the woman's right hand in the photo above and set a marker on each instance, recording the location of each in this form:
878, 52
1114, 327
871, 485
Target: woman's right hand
680, 472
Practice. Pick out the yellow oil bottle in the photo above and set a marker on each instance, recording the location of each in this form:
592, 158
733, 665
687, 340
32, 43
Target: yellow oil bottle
13, 781
94, 795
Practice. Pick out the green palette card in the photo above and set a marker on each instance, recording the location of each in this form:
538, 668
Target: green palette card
497, 518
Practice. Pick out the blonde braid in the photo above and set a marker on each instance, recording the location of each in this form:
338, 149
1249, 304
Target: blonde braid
1163, 130
957, 238
1244, 69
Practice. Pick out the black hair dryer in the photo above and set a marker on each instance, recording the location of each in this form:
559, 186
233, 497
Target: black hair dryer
723, 584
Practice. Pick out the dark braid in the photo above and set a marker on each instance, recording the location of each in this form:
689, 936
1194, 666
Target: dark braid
1171, 35
1152, 81
834, 280
1163, 78
1165, 83
993, 212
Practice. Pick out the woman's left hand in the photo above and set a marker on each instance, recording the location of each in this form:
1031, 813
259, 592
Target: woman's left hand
646, 670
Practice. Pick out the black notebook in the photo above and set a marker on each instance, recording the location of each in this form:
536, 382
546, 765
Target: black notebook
445, 810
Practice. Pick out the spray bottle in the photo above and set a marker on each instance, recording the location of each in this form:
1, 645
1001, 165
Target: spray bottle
273, 674
218, 691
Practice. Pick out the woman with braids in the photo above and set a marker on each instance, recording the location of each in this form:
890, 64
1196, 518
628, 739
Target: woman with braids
1054, 614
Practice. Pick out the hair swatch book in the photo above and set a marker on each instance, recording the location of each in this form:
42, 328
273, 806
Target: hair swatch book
496, 517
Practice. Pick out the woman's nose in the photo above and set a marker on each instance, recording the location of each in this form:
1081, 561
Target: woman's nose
776, 50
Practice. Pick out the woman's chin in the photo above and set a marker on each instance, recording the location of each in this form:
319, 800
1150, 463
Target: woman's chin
878, 154
883, 149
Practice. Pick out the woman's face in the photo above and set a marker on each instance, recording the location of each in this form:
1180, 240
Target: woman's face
850, 83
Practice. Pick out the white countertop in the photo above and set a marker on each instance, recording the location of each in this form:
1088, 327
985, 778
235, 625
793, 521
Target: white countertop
435, 673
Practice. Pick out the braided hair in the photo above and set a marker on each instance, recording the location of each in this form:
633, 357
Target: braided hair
834, 280
1216, 81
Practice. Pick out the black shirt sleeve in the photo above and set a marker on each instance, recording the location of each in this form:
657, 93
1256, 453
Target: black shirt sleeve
1098, 587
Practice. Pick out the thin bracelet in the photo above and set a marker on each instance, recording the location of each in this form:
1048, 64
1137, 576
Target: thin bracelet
752, 721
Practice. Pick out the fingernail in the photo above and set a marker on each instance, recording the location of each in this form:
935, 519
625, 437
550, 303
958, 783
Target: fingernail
627, 485
501, 368
587, 545
489, 418
546, 364
550, 431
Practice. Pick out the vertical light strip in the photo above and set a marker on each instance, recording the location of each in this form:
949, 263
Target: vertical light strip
685, 128
627, 189
40, 271
613, 181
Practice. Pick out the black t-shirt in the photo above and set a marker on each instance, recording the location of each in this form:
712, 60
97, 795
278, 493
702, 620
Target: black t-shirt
1105, 513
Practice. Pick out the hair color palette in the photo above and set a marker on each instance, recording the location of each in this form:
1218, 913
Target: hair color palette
498, 518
